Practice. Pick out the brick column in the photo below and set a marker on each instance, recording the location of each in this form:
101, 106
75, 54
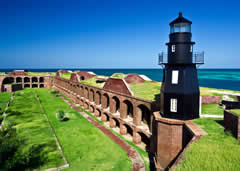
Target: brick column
136, 138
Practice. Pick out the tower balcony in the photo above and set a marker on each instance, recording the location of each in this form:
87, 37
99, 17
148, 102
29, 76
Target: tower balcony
197, 58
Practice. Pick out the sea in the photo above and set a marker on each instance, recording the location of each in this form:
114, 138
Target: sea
213, 78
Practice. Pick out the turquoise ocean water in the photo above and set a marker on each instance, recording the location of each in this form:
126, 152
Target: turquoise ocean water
214, 78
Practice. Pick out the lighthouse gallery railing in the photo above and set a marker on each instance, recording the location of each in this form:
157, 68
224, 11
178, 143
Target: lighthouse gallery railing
197, 58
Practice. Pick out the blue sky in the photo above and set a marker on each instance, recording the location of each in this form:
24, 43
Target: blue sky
112, 33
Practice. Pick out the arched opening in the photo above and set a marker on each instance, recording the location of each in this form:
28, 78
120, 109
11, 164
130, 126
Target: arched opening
7, 80
34, 79
86, 105
91, 94
145, 140
105, 102
82, 78
104, 117
98, 98
26, 79
91, 109
34, 86
128, 108
41, 79
81, 91
115, 104
98, 113
144, 113
86, 94
129, 130
19, 80
117, 122
26, 85
41, 85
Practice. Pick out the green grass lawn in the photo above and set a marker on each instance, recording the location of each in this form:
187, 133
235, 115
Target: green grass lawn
41, 73
120, 75
215, 151
66, 75
92, 82
4, 98
236, 111
2, 74
85, 147
213, 109
26, 115
146, 90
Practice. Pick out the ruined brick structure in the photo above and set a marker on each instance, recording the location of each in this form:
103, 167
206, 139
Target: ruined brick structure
115, 104
25, 80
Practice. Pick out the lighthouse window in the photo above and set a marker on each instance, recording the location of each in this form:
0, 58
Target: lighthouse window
191, 48
175, 77
173, 48
180, 27
173, 105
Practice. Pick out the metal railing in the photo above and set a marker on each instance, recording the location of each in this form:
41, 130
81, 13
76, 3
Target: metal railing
197, 58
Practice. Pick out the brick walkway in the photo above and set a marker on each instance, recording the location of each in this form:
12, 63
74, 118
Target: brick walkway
137, 162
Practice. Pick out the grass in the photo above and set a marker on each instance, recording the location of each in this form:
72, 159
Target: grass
25, 112
4, 98
41, 73
121, 76
213, 109
2, 74
92, 82
147, 90
142, 153
66, 75
236, 111
85, 147
215, 151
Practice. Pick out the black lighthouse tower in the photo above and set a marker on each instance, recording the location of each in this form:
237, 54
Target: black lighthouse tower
180, 89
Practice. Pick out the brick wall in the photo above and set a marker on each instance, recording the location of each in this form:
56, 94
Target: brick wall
232, 123
211, 99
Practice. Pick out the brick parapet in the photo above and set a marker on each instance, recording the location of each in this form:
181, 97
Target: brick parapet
232, 123
170, 138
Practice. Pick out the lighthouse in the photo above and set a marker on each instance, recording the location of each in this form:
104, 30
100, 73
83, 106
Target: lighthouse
179, 98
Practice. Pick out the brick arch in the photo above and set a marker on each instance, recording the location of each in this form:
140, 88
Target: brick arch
81, 91
115, 105
98, 113
41, 79
34, 79
7, 80
145, 139
86, 105
91, 109
98, 98
26, 80
105, 100
19, 80
26, 85
127, 109
126, 129
144, 114
91, 95
115, 123
86, 93
105, 117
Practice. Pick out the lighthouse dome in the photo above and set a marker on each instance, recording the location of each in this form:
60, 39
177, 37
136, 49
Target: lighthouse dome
180, 24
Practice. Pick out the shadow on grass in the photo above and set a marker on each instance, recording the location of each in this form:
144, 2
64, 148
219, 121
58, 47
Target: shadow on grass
220, 122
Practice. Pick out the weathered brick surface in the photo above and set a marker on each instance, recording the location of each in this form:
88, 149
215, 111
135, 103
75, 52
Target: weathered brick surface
117, 85
134, 78
211, 99
232, 123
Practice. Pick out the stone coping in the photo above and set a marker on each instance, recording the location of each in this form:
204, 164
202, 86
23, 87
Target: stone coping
194, 128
